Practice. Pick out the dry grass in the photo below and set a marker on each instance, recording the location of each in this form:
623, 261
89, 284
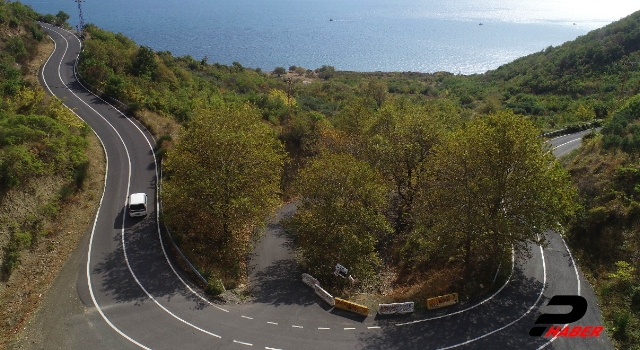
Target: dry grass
39, 266
591, 170
21, 292
158, 124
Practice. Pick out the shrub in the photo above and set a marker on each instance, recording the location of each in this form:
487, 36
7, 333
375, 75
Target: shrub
18, 165
51, 209
36, 32
214, 287
620, 324
80, 174
11, 261
635, 298
279, 71
21, 240
65, 192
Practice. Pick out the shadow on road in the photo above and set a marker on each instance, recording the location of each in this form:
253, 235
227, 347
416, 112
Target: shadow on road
510, 304
274, 275
147, 262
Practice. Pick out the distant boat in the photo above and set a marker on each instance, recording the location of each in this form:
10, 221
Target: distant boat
574, 24
480, 23
330, 19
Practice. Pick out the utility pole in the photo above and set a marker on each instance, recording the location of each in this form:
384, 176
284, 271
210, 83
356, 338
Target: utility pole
81, 28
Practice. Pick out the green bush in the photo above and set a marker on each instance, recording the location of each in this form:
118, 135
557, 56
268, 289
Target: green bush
635, 298
80, 174
65, 192
36, 32
17, 164
21, 240
51, 209
214, 287
11, 261
621, 321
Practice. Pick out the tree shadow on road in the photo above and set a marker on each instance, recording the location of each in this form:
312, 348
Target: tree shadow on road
274, 274
148, 263
514, 301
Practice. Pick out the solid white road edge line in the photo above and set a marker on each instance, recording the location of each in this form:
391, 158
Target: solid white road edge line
189, 287
123, 217
95, 221
575, 268
157, 195
513, 261
544, 283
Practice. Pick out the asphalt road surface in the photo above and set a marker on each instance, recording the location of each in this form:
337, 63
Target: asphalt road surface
122, 290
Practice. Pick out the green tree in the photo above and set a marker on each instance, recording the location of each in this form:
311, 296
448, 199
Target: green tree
279, 71
378, 90
399, 144
326, 72
493, 186
300, 71
16, 46
145, 64
116, 86
224, 183
62, 17
340, 217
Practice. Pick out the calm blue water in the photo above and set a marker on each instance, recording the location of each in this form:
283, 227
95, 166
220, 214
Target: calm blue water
365, 35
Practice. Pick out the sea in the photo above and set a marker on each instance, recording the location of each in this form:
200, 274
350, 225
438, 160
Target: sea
457, 36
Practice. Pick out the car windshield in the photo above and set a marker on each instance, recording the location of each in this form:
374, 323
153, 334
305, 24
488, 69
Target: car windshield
137, 207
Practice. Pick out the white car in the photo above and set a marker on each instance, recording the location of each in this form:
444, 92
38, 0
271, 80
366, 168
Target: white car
138, 204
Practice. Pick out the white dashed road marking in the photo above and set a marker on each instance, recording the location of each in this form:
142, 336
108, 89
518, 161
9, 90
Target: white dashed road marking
276, 323
566, 143
294, 326
247, 317
243, 343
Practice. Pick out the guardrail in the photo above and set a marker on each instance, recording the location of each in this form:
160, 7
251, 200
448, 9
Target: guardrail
123, 106
573, 128
197, 273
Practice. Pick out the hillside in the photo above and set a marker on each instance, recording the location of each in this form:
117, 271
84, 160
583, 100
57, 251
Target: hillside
50, 172
606, 233
358, 123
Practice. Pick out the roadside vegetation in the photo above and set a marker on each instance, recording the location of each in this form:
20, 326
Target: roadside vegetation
221, 182
606, 231
414, 175
47, 193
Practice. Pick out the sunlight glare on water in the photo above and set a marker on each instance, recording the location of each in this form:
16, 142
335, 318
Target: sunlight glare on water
358, 35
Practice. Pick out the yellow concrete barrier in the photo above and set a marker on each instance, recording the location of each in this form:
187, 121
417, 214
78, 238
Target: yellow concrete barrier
441, 301
350, 306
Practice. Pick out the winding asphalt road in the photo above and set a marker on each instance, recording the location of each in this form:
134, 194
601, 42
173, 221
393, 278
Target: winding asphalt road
128, 294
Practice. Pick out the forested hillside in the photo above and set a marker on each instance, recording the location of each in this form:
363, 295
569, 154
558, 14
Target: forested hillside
606, 232
394, 130
43, 170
